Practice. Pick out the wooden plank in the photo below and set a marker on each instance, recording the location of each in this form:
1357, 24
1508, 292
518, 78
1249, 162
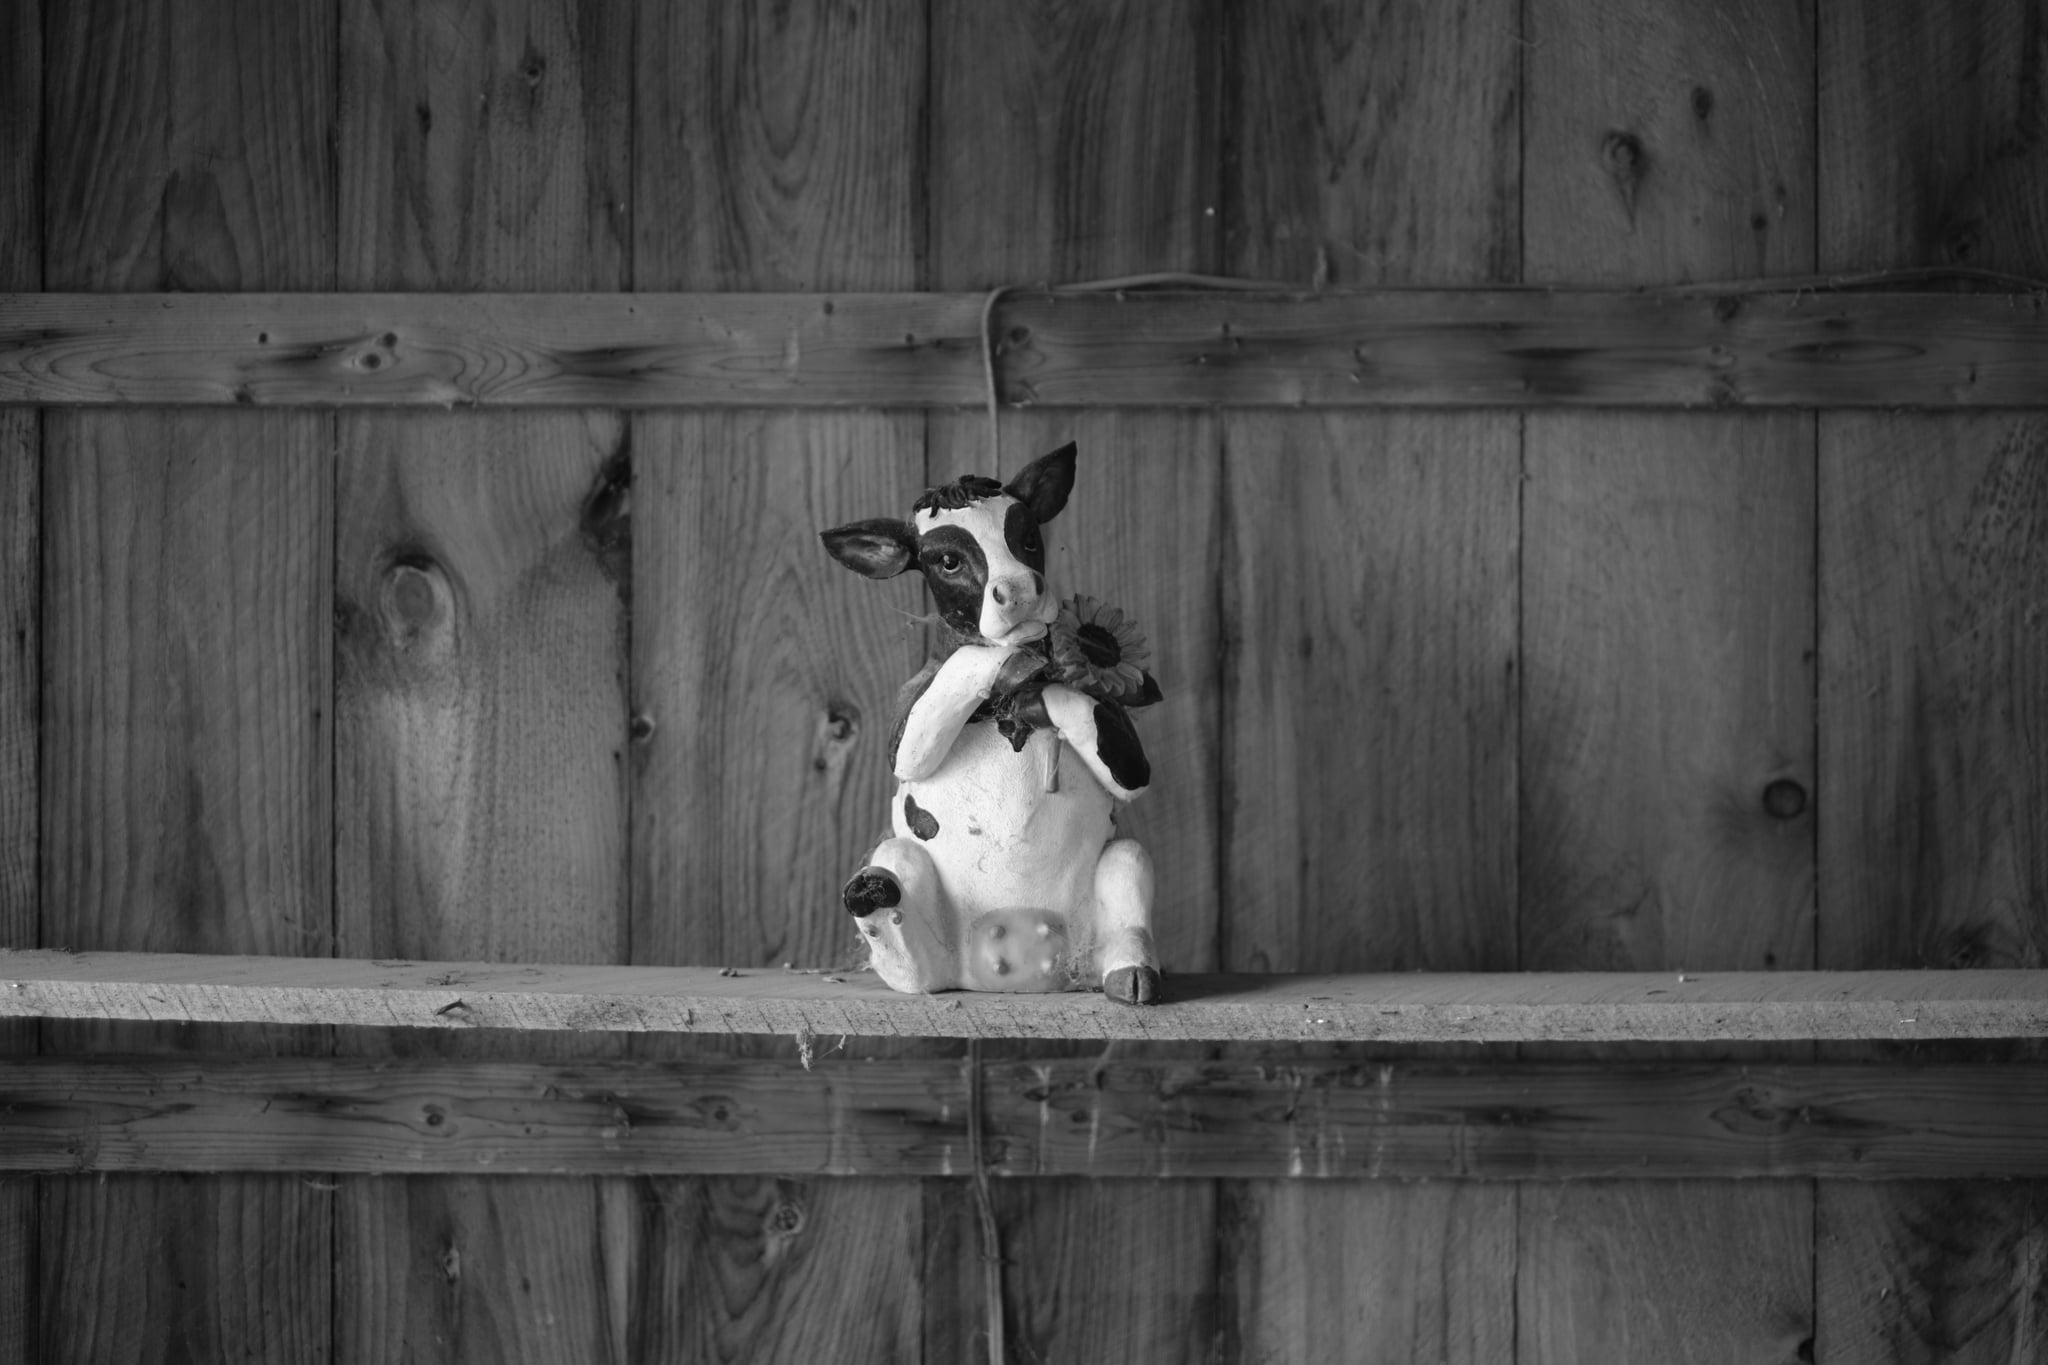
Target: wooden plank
1070, 143
1667, 693
485, 148
1791, 344
1692, 1271
186, 665
1374, 144
1934, 662
1926, 153
1439, 1007
1298, 1120
776, 148
760, 771
483, 566
1932, 1270
21, 267
1399, 862
1667, 725
1370, 607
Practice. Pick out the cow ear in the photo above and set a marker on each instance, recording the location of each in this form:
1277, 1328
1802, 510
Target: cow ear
881, 548
1043, 484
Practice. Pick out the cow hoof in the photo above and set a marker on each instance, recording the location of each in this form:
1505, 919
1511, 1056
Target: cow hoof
869, 890
1132, 985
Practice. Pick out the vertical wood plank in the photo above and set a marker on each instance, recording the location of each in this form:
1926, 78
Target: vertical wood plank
1071, 142
1433, 1279
1932, 1271
771, 1267
1934, 647
1369, 605
1374, 144
484, 562
779, 147
1628, 1270
187, 671
1370, 804
485, 146
1667, 622
21, 267
1931, 150
1665, 142
1074, 143
775, 147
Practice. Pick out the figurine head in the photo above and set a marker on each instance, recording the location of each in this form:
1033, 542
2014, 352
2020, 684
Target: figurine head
979, 546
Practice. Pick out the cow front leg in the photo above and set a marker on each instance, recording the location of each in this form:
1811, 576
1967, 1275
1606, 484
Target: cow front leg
905, 918
1123, 923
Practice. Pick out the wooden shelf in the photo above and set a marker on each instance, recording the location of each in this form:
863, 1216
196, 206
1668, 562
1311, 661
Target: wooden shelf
1412, 1008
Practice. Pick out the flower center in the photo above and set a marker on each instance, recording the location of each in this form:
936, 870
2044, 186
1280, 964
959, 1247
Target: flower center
1099, 646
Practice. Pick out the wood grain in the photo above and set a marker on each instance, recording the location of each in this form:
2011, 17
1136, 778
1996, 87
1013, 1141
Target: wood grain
1933, 649
1370, 1272
1373, 144
775, 148
1695, 1271
779, 148
186, 679
1070, 142
1665, 143
1336, 1123
482, 719
1438, 1007
1527, 349
770, 1269
21, 267
485, 146
1930, 144
1370, 803
1667, 698
483, 566
763, 710
1668, 753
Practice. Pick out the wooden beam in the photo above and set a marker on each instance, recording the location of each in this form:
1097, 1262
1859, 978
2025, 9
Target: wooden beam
1281, 1118
1524, 348
1405, 1007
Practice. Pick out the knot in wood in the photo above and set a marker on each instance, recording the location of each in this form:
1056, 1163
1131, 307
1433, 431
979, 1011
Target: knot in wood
1785, 799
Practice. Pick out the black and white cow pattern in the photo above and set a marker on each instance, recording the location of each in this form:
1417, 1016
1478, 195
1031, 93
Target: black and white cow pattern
1004, 871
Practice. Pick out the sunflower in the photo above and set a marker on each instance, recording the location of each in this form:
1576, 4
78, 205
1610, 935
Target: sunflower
1098, 649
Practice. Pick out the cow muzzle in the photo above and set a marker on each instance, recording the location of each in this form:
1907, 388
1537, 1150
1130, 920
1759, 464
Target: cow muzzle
1017, 608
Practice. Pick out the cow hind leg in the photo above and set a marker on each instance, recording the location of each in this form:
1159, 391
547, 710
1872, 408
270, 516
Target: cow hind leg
1123, 922
905, 918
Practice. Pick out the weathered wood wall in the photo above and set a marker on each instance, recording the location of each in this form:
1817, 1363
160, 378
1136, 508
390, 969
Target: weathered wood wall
1451, 690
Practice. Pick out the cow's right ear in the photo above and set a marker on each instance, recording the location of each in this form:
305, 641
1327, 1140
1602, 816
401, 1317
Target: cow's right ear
881, 548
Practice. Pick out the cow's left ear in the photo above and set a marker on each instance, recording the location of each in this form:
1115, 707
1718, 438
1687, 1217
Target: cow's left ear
1043, 484
881, 548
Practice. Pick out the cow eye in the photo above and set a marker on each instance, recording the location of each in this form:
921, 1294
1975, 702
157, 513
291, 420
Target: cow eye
1031, 540
950, 561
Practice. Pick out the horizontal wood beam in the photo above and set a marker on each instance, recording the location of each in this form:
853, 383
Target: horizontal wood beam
1403, 1008
1390, 347
1057, 1117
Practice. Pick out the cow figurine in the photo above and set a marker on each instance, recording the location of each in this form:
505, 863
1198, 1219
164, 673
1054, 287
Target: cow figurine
1012, 753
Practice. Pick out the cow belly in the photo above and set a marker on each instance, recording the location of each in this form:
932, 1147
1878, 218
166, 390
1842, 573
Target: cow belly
1002, 842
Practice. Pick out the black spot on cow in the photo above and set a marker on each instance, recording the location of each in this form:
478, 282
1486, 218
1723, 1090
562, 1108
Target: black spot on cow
957, 572
1020, 531
922, 822
1116, 740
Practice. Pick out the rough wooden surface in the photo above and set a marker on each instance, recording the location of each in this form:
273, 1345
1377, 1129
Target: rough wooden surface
1668, 783
186, 674
1394, 1007
1534, 348
1284, 1120
1933, 688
